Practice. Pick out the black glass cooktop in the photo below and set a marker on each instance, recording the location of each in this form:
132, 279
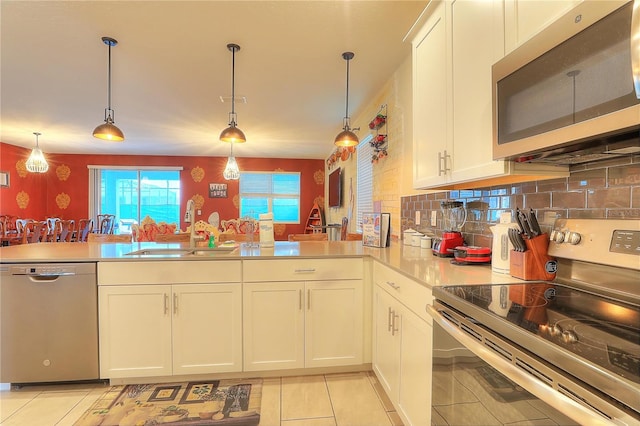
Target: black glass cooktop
600, 329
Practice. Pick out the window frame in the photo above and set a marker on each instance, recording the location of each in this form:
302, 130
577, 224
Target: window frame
270, 196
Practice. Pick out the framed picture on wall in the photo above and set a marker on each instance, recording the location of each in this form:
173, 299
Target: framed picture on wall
217, 190
4, 179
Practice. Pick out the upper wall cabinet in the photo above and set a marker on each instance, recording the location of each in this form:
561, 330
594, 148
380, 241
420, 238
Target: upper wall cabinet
455, 42
525, 18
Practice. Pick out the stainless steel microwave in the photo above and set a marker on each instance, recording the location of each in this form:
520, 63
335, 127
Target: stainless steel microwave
571, 93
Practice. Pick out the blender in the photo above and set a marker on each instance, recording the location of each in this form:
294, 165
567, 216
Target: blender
454, 215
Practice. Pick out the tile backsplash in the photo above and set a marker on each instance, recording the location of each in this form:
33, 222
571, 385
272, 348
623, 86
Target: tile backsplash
600, 190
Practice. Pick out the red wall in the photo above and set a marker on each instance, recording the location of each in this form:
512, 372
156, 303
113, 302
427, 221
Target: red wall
63, 190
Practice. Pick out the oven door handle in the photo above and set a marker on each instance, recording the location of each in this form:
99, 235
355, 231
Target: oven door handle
635, 46
554, 398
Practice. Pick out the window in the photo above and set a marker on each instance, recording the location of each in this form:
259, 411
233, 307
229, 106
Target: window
264, 192
131, 194
364, 179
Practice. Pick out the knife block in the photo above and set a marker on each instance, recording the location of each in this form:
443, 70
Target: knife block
534, 264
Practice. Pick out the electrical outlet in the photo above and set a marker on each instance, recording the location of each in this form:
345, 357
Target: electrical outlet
434, 218
417, 218
199, 212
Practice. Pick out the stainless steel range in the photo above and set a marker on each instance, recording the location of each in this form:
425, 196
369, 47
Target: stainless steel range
566, 351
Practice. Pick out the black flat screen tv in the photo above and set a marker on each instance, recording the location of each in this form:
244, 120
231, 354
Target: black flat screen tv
335, 188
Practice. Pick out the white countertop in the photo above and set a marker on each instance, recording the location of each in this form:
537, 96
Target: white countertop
413, 262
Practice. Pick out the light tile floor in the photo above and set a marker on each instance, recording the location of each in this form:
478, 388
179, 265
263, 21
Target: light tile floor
353, 399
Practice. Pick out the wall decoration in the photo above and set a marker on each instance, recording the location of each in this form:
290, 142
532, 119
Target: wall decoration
236, 201
279, 229
21, 168
197, 174
63, 200
319, 200
217, 190
318, 177
22, 199
379, 143
198, 200
4, 179
63, 172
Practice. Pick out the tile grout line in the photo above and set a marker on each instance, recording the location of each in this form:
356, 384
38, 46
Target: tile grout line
326, 385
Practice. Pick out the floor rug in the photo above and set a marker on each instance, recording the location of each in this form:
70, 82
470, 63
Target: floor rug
202, 403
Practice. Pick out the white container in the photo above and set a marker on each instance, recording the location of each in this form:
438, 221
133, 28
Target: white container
425, 242
406, 236
415, 239
266, 230
501, 247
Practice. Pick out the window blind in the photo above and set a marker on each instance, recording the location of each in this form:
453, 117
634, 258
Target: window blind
364, 179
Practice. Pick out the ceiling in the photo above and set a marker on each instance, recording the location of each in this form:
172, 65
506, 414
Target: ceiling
171, 67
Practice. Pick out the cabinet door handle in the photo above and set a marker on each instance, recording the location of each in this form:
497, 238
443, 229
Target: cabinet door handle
389, 320
304, 271
166, 303
175, 303
442, 163
393, 285
300, 299
309, 299
394, 329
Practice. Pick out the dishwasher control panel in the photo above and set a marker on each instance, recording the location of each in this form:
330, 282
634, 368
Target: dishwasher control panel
43, 270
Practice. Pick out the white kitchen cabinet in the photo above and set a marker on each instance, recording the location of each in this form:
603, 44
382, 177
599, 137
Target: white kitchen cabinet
179, 328
135, 331
455, 43
430, 101
526, 18
314, 322
403, 343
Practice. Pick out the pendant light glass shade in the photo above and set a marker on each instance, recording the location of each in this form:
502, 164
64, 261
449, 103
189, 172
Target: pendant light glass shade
231, 171
347, 137
232, 133
36, 163
109, 131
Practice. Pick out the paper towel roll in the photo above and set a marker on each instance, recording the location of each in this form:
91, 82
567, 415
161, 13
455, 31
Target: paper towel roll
266, 230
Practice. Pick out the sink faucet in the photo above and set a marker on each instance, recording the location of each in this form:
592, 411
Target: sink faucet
189, 216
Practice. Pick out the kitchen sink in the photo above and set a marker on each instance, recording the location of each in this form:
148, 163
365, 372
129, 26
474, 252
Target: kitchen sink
200, 251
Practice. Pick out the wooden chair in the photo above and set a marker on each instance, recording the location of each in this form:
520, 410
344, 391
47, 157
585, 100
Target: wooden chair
85, 227
308, 237
109, 238
67, 229
352, 236
344, 229
54, 228
173, 238
34, 232
106, 223
230, 236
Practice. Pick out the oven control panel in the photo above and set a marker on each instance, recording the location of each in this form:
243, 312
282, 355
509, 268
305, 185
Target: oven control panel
625, 242
607, 241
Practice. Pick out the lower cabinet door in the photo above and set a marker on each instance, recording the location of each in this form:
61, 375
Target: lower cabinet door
135, 331
334, 323
386, 349
414, 392
207, 328
273, 325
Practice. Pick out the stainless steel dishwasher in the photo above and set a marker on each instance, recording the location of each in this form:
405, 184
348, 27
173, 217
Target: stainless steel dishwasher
48, 322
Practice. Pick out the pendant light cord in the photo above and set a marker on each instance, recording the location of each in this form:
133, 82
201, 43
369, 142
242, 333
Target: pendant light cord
346, 112
109, 82
233, 84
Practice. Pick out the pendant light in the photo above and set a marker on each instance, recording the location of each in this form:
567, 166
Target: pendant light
36, 162
232, 133
108, 130
231, 171
347, 137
